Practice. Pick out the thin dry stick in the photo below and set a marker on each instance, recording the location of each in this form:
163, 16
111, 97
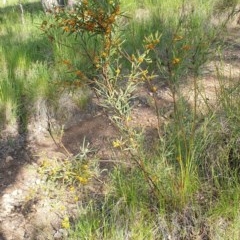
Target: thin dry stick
22, 12
60, 145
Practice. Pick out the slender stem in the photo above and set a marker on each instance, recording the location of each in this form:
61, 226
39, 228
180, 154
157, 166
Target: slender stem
151, 183
22, 12
60, 145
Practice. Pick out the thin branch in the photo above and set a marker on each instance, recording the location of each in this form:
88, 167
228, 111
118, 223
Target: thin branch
59, 145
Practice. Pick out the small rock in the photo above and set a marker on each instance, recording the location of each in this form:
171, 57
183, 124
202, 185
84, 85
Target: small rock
63, 232
26, 235
6, 196
9, 159
38, 181
17, 192
9, 173
8, 208
57, 235
7, 201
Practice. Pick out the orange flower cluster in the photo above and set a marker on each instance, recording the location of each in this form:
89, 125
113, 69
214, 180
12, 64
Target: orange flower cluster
80, 75
93, 17
177, 37
152, 45
186, 47
88, 18
176, 61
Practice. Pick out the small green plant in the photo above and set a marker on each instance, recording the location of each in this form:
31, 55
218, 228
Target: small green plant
73, 171
25, 73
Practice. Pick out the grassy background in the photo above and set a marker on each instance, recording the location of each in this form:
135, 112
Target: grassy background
24, 58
